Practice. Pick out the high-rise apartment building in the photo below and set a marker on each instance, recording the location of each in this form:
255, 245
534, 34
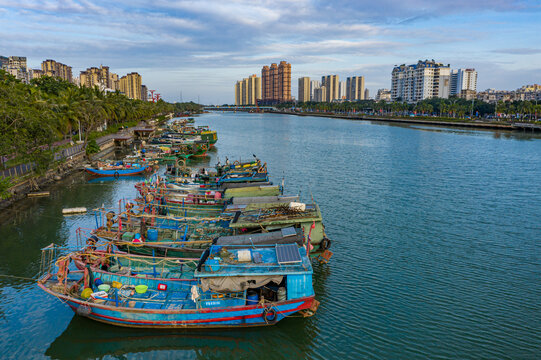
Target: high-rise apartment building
94, 76
320, 94
355, 88
276, 82
55, 69
424, 80
144, 93
314, 84
248, 90
113, 80
463, 79
332, 86
130, 85
238, 92
342, 90
304, 89
366, 94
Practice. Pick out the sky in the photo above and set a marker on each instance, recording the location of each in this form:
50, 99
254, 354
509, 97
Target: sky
198, 49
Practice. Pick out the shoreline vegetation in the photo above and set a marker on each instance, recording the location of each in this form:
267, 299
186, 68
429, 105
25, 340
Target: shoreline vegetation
453, 111
49, 115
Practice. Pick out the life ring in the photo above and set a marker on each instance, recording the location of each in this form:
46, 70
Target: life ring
270, 315
149, 197
116, 174
236, 162
204, 147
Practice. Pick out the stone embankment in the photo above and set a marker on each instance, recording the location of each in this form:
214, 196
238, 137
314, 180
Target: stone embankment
73, 158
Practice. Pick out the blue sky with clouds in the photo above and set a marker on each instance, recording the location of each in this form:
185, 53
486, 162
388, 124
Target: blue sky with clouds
201, 47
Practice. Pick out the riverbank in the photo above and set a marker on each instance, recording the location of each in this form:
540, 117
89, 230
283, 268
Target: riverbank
483, 125
69, 161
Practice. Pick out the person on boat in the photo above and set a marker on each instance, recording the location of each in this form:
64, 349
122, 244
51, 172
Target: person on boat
138, 239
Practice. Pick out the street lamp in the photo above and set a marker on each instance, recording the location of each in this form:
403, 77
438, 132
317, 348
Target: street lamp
79, 121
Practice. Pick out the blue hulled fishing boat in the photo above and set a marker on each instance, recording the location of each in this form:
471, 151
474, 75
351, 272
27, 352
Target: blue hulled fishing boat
233, 286
118, 169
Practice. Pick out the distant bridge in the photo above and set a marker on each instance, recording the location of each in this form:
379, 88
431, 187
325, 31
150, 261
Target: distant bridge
240, 108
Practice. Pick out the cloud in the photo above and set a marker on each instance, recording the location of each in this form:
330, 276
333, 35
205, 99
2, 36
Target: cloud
222, 40
518, 51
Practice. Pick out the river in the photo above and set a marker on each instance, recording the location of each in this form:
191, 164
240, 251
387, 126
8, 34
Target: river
435, 233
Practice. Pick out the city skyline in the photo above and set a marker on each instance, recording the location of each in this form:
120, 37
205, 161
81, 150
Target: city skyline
201, 48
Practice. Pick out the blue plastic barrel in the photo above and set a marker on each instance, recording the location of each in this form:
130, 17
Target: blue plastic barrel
152, 234
252, 298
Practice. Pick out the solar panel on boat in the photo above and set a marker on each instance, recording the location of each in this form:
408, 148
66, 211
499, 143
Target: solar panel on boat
289, 231
288, 254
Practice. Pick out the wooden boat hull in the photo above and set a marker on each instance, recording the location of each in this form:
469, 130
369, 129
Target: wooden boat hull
236, 316
119, 172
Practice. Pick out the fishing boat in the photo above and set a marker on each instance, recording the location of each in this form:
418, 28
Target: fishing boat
118, 169
232, 287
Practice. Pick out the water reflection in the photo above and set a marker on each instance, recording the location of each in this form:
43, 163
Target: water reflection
496, 134
84, 338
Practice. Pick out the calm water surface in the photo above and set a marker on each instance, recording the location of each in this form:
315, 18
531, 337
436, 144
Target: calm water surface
436, 241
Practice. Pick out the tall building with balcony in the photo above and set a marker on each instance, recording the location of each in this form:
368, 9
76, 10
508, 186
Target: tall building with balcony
424, 80
55, 69
461, 80
16, 66
355, 88
100, 77
276, 82
248, 90
332, 86
304, 89
130, 85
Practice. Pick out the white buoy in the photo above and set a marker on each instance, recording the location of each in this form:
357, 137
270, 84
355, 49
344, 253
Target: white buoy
76, 210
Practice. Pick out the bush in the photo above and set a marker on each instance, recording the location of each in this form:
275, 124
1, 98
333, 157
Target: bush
92, 147
5, 184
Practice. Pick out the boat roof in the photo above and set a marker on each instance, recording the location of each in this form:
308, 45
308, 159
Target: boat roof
273, 214
268, 260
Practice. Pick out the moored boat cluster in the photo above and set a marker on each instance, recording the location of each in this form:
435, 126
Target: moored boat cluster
220, 247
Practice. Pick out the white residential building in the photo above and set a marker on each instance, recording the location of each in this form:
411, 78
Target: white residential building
314, 84
342, 90
463, 79
383, 94
424, 80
